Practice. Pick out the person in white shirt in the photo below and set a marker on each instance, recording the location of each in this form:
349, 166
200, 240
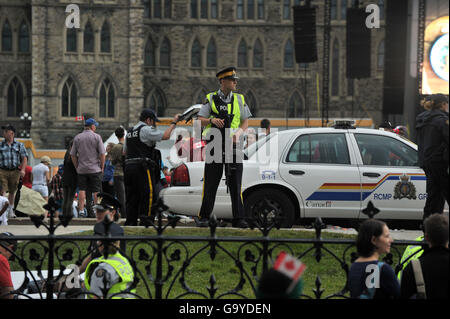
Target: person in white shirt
4, 204
41, 176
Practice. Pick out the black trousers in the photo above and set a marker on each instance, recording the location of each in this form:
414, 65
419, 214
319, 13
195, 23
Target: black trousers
68, 196
211, 179
119, 188
140, 192
437, 188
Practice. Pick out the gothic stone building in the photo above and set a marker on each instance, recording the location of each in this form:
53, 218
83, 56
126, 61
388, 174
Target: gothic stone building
164, 54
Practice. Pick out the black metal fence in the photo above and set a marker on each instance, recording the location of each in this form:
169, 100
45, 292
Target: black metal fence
163, 264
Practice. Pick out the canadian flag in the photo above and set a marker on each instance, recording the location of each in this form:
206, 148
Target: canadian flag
79, 118
289, 265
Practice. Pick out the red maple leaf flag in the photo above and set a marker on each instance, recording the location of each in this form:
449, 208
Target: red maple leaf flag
79, 118
289, 265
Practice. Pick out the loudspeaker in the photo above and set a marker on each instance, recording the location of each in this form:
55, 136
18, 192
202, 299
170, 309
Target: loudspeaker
394, 57
305, 34
358, 44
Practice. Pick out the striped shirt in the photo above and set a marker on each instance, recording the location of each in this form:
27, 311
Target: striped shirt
11, 156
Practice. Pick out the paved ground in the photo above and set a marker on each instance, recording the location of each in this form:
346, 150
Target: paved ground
24, 227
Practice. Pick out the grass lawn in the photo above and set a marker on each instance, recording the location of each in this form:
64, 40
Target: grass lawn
201, 267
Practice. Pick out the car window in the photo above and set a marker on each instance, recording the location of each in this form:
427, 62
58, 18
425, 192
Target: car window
385, 151
319, 148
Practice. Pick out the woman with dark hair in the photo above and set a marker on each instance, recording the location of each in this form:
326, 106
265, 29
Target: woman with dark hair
368, 278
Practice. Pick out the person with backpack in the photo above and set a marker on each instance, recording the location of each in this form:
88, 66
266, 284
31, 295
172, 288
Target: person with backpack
368, 277
429, 277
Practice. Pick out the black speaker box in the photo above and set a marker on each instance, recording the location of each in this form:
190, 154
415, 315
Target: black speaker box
358, 44
395, 56
305, 34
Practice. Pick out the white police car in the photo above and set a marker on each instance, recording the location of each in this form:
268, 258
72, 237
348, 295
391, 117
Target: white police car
330, 173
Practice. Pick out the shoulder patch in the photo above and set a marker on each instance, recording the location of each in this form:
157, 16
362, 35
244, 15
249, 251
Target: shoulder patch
100, 272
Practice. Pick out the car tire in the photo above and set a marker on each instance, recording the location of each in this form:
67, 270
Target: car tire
275, 202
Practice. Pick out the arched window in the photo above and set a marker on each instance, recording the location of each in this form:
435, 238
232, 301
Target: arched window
289, 55
335, 69
380, 55
149, 58
71, 40
69, 103
333, 9
381, 6
15, 98
260, 9
250, 9
24, 38
194, 9
201, 97
147, 9
156, 102
251, 102
211, 54
107, 99
214, 9
6, 37
106, 38
88, 39
343, 9
164, 53
286, 9
258, 56
240, 10
242, 54
157, 9
168, 9
295, 107
196, 54
204, 9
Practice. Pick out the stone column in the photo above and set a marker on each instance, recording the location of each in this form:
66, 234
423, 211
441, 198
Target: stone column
136, 56
39, 76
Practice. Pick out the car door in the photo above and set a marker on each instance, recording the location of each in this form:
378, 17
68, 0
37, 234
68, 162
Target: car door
318, 166
390, 176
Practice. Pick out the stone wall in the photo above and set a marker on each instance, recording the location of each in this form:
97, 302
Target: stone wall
45, 71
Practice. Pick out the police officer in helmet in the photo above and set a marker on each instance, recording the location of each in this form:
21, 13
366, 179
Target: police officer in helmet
223, 112
142, 166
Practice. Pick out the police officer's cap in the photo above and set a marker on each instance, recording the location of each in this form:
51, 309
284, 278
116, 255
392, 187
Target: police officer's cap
106, 201
149, 113
228, 73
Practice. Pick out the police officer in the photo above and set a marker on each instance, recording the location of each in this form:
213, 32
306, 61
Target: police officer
142, 166
433, 150
110, 276
107, 206
226, 111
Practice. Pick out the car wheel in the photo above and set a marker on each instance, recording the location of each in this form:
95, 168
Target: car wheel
272, 204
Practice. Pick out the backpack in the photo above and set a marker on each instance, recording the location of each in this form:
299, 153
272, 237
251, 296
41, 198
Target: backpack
418, 276
369, 293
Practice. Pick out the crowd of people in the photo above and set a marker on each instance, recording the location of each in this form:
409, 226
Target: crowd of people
123, 180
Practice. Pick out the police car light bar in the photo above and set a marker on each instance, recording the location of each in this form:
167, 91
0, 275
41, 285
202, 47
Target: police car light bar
344, 124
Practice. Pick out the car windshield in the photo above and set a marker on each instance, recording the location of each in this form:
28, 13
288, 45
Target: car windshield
249, 151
